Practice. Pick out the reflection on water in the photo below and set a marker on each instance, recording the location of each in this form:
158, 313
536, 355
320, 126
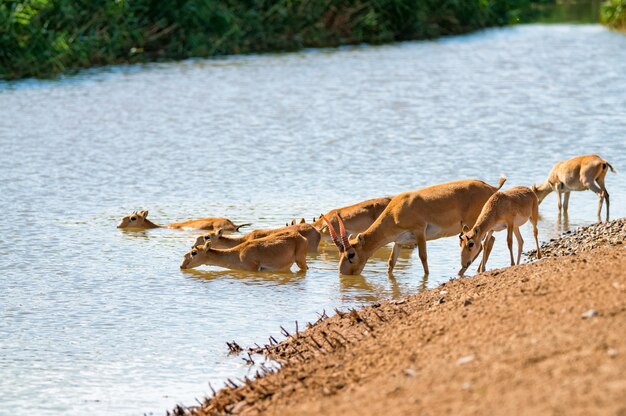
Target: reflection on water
575, 11
102, 321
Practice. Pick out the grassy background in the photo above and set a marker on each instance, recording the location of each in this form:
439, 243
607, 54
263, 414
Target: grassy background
614, 14
42, 38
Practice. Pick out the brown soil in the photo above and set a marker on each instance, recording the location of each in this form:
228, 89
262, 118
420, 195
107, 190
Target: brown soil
542, 338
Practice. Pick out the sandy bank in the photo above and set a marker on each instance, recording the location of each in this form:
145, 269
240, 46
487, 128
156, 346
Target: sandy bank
542, 338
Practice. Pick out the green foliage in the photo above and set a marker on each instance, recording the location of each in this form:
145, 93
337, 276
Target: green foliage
42, 38
614, 14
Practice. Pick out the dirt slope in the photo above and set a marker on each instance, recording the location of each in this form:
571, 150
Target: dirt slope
541, 338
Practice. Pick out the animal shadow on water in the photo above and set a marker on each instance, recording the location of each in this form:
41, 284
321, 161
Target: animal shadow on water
357, 287
280, 278
562, 221
328, 253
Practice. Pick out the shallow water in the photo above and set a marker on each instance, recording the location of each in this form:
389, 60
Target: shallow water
99, 321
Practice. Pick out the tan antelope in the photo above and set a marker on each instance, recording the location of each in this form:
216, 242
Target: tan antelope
139, 221
219, 240
506, 209
413, 218
577, 174
275, 252
357, 218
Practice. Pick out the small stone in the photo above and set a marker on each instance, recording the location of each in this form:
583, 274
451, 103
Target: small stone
443, 292
467, 301
611, 352
466, 386
465, 359
409, 372
589, 314
441, 300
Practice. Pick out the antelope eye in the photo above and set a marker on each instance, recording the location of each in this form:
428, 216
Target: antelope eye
351, 255
194, 252
133, 218
471, 245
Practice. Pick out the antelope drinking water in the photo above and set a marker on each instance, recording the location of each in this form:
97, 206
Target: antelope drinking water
275, 252
413, 218
506, 209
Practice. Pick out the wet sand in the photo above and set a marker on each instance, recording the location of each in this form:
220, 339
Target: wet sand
547, 337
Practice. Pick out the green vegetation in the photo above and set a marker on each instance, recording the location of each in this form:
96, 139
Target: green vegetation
614, 14
42, 38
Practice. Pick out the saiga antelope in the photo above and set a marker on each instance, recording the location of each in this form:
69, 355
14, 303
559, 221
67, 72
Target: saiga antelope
506, 209
139, 221
219, 240
275, 252
356, 218
577, 174
413, 218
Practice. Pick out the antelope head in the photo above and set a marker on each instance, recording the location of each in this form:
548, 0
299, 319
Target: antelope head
133, 220
470, 246
352, 257
196, 256
541, 191
212, 237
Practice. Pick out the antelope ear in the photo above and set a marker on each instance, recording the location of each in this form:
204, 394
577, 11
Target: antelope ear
314, 219
219, 233
475, 230
143, 214
534, 188
302, 221
461, 236
465, 229
207, 245
358, 238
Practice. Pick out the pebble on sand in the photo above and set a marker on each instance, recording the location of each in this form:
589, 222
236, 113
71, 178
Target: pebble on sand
589, 314
466, 359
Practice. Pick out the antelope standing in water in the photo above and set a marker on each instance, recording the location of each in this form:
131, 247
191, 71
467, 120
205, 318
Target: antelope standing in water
219, 240
139, 221
577, 174
506, 209
413, 218
357, 217
275, 252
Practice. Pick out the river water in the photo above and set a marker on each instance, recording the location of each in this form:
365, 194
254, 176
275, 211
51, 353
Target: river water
94, 320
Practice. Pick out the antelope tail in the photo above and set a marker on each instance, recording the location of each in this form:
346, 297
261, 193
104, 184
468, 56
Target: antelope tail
502, 180
242, 225
610, 167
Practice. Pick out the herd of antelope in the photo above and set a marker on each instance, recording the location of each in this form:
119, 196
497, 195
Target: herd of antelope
470, 208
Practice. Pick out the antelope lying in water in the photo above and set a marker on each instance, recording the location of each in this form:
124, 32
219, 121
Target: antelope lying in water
507, 209
219, 240
413, 218
139, 221
275, 252
577, 174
